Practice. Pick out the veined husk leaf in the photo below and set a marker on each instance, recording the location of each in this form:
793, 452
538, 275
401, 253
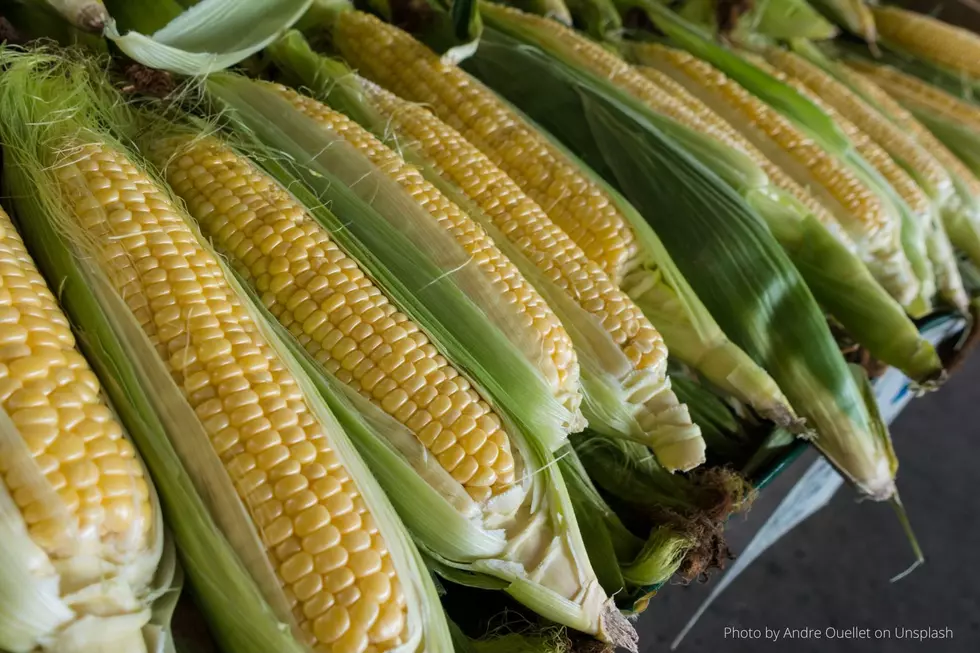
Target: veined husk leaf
526, 540
623, 561
738, 270
609, 381
221, 549
211, 35
891, 251
853, 15
424, 270
773, 19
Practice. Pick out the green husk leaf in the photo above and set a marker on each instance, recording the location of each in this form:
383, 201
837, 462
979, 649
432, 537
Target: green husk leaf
784, 19
209, 36
853, 15
749, 286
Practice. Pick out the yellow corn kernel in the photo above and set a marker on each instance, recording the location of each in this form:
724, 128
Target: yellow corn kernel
930, 38
502, 273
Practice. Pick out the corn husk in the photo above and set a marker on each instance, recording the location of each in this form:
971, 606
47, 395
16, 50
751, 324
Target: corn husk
208, 36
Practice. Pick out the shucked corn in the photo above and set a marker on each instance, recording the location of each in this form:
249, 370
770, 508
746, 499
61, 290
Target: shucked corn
850, 105
955, 48
319, 534
856, 207
393, 59
55, 401
506, 279
526, 225
336, 312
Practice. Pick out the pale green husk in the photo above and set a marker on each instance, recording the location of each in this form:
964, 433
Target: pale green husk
50, 103
211, 35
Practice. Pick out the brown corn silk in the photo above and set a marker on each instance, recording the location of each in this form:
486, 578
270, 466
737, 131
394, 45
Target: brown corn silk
319, 535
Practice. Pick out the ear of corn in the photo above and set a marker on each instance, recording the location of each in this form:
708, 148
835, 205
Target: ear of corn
961, 214
603, 224
908, 169
500, 511
618, 347
953, 48
900, 145
865, 216
536, 374
953, 121
631, 153
82, 534
277, 513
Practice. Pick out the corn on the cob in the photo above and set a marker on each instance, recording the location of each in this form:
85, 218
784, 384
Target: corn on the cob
79, 486
379, 52
319, 534
862, 213
664, 423
913, 93
336, 312
929, 38
909, 125
899, 144
503, 275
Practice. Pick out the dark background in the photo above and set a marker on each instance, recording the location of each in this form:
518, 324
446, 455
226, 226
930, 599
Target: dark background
834, 568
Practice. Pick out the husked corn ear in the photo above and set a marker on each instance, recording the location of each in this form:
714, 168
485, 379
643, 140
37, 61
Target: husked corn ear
525, 224
533, 309
778, 176
861, 205
396, 61
55, 401
910, 192
912, 90
886, 134
318, 532
909, 125
336, 312
930, 38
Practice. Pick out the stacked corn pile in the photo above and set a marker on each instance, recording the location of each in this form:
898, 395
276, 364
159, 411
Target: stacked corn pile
534, 315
